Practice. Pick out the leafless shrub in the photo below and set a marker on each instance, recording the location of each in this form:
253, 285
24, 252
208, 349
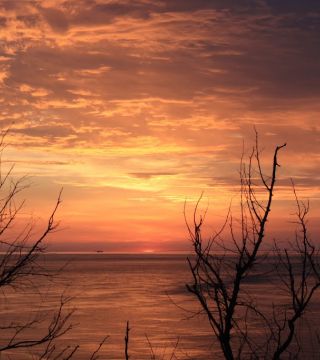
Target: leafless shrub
21, 269
220, 272
155, 355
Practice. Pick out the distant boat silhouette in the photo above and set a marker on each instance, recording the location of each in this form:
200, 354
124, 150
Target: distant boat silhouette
99, 251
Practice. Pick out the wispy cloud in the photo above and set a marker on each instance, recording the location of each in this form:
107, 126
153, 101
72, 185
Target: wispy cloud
159, 95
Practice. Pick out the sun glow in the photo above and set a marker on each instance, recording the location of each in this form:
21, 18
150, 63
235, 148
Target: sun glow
148, 251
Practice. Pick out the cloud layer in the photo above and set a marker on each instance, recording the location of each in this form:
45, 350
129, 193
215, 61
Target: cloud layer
151, 100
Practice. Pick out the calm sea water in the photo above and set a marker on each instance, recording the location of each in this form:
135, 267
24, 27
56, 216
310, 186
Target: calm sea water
108, 290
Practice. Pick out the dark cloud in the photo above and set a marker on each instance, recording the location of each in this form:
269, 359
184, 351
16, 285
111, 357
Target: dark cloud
149, 175
301, 181
56, 19
91, 13
191, 5
3, 21
29, 20
297, 6
45, 131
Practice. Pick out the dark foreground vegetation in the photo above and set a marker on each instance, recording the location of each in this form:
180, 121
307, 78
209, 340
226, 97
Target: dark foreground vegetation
219, 281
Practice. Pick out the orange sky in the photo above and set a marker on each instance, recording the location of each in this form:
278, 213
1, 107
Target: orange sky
135, 106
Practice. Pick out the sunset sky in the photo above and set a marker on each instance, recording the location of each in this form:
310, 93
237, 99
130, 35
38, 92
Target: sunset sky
135, 107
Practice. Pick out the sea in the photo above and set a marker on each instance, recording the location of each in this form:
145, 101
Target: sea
105, 292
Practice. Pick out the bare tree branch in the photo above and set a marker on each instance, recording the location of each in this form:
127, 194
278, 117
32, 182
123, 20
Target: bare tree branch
219, 280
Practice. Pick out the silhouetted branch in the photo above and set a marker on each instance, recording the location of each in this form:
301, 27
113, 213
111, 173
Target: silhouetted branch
20, 267
171, 355
301, 278
219, 280
126, 340
57, 327
94, 355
